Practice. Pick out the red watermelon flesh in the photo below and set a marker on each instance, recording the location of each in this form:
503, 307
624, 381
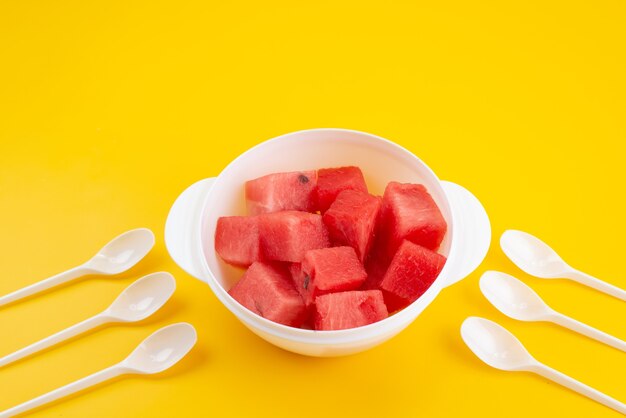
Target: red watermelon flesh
331, 270
237, 240
288, 235
332, 181
267, 290
281, 191
352, 309
409, 212
411, 272
351, 220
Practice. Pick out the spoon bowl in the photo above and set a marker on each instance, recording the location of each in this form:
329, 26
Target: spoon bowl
162, 350
142, 298
495, 345
532, 255
512, 297
122, 252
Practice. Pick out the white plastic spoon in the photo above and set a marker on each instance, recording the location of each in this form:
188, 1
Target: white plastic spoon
155, 354
536, 258
518, 301
119, 255
500, 349
138, 301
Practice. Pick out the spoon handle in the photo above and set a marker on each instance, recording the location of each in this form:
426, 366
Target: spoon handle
43, 285
584, 329
587, 280
53, 339
576, 386
66, 390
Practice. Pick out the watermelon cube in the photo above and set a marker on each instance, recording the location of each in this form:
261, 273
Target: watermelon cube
330, 270
409, 212
351, 220
281, 191
237, 240
332, 181
288, 235
411, 272
351, 309
267, 290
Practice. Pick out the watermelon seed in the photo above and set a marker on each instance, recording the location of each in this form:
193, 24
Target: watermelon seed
303, 179
306, 281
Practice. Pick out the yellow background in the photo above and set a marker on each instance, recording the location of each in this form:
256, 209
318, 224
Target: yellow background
109, 109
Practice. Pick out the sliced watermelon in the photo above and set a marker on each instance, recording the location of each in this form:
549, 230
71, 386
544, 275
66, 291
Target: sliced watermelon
288, 235
330, 270
351, 309
281, 191
409, 212
351, 220
332, 181
267, 290
411, 272
237, 240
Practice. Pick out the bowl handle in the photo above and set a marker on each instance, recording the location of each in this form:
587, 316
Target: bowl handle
183, 228
472, 231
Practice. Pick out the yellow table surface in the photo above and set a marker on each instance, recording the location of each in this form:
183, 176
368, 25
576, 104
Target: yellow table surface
109, 109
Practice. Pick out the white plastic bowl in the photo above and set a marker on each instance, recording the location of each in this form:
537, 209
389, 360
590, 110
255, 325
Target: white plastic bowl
190, 227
